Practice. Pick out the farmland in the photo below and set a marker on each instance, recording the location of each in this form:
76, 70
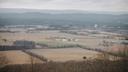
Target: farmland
65, 54
54, 47
63, 36
18, 57
54, 36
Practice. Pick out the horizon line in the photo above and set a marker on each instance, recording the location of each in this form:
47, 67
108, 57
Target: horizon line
66, 9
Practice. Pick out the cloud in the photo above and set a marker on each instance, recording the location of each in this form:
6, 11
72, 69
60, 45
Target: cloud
96, 5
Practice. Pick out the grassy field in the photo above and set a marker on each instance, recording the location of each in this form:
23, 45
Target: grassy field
18, 57
66, 54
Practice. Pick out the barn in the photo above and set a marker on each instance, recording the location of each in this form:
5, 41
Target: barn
24, 43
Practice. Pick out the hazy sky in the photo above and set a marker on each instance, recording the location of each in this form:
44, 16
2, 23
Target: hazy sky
95, 5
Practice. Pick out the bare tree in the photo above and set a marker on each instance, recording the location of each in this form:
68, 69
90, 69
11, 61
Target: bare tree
3, 60
32, 63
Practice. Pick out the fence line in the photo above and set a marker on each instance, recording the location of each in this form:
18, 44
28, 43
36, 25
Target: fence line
35, 55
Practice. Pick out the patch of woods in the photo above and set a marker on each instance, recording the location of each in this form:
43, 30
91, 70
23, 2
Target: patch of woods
70, 66
57, 45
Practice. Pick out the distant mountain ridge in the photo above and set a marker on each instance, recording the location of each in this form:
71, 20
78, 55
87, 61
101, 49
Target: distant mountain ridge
62, 17
21, 10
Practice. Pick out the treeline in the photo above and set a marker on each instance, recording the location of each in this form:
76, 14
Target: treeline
35, 55
121, 54
47, 45
71, 66
5, 47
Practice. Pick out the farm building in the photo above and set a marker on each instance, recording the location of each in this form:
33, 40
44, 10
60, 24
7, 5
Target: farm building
24, 43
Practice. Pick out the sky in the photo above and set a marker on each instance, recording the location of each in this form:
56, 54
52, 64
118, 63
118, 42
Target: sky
88, 5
